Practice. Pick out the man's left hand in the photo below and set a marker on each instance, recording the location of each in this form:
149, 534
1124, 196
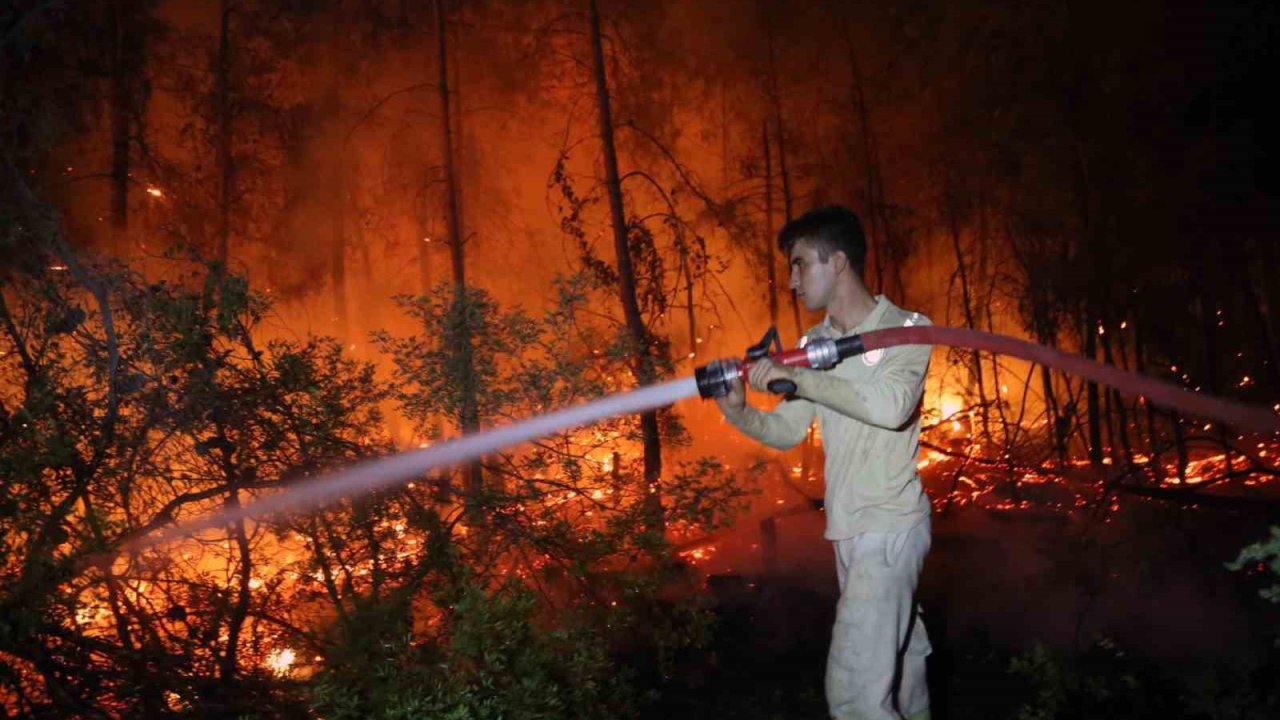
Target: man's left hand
765, 370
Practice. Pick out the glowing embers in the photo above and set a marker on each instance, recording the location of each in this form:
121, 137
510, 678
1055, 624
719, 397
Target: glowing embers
699, 555
958, 479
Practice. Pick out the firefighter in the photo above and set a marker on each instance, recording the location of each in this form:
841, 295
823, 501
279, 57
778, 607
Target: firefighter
868, 409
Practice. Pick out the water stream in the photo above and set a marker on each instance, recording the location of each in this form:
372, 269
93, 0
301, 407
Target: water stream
384, 472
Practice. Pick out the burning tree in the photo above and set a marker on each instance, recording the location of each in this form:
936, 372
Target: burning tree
160, 405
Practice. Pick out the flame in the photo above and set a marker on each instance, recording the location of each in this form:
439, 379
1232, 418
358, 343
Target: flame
699, 554
950, 405
154, 191
279, 661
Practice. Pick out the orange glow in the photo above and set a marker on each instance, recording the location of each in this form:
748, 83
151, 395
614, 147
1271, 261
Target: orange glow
155, 192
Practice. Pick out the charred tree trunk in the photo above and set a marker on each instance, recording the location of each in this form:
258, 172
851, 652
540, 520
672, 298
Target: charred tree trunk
338, 208
338, 258
769, 545
643, 366
888, 247
871, 182
787, 210
424, 260
1089, 315
126, 65
1153, 438
970, 320
1058, 435
229, 663
775, 103
687, 275
1118, 402
1092, 398
224, 119
1264, 338
770, 264
469, 419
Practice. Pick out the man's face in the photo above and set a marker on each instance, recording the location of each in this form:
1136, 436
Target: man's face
812, 279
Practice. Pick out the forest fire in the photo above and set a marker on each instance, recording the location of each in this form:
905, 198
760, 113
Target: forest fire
246, 247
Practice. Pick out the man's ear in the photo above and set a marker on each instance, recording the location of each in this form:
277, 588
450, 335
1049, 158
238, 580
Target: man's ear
841, 261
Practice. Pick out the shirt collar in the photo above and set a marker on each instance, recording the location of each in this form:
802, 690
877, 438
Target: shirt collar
870, 322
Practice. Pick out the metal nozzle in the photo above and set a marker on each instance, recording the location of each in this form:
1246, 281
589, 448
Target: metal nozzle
822, 353
714, 378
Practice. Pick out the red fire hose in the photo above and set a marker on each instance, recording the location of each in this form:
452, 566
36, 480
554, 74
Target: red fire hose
713, 378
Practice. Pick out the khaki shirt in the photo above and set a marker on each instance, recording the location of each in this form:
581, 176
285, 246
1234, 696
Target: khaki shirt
867, 410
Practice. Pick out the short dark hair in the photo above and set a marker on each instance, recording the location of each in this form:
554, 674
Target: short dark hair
830, 228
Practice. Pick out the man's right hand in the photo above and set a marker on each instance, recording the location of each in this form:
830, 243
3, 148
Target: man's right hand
736, 399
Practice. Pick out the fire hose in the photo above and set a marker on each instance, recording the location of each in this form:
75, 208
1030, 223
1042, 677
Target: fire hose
715, 378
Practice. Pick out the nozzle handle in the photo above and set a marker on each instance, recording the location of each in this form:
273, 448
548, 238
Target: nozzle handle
782, 386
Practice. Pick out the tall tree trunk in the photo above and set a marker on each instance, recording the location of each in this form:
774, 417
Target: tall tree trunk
970, 320
224, 118
424, 261
469, 419
1153, 438
229, 663
771, 266
870, 195
339, 166
787, 210
775, 102
1264, 338
1057, 434
689, 304
124, 67
1118, 402
1088, 323
807, 448
338, 254
643, 366
769, 545
1092, 398
885, 248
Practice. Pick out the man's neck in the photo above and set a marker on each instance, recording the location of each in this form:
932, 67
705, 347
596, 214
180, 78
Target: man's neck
850, 308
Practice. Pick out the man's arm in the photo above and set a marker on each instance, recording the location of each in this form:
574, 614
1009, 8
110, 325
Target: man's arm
889, 401
782, 428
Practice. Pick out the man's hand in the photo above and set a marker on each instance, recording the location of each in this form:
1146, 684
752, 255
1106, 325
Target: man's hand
765, 370
736, 399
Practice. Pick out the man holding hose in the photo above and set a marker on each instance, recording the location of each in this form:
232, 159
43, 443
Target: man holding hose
877, 511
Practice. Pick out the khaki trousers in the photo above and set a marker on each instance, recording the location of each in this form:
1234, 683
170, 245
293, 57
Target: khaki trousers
876, 665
